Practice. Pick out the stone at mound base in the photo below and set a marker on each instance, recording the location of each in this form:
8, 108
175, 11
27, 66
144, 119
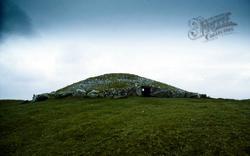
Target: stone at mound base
40, 97
162, 93
63, 95
80, 92
93, 94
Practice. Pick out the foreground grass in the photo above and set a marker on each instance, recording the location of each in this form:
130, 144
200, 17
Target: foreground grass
133, 126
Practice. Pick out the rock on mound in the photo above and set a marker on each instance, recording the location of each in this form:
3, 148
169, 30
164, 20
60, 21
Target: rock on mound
118, 85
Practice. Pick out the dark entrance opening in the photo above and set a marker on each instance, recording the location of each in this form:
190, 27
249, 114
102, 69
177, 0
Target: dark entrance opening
146, 91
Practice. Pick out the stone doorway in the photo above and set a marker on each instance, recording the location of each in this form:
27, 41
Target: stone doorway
146, 91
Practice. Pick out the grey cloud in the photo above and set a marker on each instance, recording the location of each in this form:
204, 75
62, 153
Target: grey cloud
13, 20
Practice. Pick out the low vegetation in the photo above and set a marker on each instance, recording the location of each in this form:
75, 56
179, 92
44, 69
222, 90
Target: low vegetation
131, 126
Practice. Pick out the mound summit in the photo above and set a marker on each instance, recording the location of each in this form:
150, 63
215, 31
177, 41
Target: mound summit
118, 85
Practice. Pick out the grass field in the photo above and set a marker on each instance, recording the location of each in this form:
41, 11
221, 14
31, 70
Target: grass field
132, 126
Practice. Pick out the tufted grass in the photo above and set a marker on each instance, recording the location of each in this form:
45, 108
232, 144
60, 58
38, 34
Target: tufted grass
132, 126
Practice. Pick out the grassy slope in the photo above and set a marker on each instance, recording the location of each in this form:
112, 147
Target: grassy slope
115, 84
148, 126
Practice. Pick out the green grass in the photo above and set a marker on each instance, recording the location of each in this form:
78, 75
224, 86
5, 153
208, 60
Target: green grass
133, 126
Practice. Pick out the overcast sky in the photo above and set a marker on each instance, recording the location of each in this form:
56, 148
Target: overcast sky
47, 44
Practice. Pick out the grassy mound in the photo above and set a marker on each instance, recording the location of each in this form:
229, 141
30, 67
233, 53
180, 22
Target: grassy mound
115, 81
132, 126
